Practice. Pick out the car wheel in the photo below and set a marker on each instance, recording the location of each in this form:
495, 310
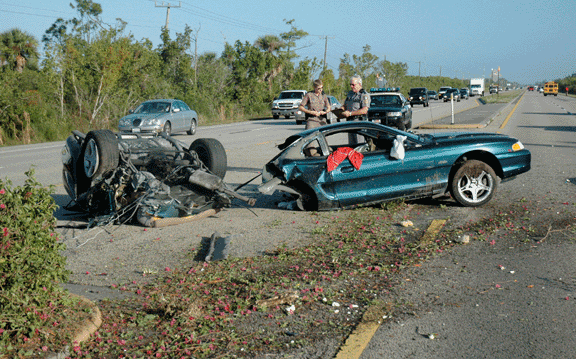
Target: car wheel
212, 154
100, 154
474, 184
275, 117
167, 128
409, 125
192, 130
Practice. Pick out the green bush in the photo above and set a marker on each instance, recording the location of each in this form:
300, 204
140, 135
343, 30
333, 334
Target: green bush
31, 265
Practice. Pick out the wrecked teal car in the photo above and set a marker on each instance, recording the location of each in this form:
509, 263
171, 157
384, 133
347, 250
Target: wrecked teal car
322, 169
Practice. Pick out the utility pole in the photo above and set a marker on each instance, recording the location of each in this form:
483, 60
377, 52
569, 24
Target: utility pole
419, 68
168, 6
440, 71
325, 51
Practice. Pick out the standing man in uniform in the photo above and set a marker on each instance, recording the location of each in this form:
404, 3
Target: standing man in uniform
356, 105
318, 106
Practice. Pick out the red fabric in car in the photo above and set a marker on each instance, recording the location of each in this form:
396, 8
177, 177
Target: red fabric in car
336, 157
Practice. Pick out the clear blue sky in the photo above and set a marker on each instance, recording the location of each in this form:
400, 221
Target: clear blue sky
529, 40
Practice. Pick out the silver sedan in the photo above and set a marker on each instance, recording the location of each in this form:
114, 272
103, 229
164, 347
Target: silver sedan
163, 115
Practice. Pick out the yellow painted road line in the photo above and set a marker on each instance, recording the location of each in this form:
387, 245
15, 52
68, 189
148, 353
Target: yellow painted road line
512, 112
433, 230
361, 336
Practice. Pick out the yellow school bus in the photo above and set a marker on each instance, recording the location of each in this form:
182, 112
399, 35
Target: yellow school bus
551, 88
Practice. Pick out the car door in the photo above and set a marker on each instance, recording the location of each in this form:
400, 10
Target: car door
187, 115
382, 177
177, 117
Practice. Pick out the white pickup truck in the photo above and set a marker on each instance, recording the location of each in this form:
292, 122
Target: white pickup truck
287, 103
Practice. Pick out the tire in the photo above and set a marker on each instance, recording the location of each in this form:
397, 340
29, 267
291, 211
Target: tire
192, 130
212, 154
474, 184
275, 117
100, 155
409, 125
287, 116
167, 128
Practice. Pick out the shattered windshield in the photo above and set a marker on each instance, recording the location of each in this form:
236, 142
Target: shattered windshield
153, 107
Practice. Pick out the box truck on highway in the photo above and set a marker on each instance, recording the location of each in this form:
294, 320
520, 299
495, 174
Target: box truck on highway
476, 87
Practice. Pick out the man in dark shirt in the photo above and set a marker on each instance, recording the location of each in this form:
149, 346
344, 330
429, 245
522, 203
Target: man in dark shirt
356, 104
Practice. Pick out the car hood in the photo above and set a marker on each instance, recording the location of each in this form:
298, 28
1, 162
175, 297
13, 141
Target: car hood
475, 137
134, 116
291, 100
385, 109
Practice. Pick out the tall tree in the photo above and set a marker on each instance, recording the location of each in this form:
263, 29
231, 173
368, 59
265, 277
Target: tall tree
271, 45
394, 72
365, 64
174, 53
290, 37
18, 49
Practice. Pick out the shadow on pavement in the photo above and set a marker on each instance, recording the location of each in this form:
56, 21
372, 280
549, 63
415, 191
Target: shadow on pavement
553, 128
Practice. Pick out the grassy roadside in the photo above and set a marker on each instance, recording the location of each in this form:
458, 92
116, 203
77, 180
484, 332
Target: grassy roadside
502, 97
288, 300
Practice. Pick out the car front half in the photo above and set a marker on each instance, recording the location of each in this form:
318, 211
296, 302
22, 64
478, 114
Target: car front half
149, 117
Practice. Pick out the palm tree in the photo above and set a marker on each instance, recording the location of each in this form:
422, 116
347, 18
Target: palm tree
18, 48
270, 44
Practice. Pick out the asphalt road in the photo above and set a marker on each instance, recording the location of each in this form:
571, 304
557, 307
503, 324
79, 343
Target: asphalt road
508, 322
509, 299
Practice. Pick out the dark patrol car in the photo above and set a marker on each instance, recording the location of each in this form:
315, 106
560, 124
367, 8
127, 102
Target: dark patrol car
418, 95
389, 107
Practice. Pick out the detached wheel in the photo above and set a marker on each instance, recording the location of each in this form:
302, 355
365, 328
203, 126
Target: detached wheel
192, 130
211, 152
100, 154
474, 184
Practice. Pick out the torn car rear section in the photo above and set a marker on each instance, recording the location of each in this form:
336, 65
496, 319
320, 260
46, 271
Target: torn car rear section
362, 163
